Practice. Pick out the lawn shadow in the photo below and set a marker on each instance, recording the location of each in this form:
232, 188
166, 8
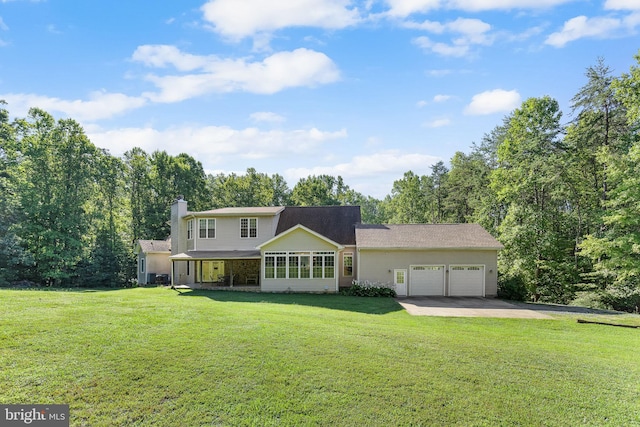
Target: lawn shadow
367, 305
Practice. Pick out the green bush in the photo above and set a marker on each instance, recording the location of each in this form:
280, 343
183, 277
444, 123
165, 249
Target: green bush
622, 297
512, 288
370, 289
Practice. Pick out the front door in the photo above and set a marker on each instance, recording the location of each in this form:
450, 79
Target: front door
212, 271
400, 281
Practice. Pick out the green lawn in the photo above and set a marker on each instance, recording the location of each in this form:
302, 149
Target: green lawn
156, 357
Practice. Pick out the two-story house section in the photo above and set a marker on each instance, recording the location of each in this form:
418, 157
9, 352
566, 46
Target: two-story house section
301, 249
219, 245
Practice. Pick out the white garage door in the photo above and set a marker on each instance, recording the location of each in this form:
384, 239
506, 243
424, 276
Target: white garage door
466, 281
426, 280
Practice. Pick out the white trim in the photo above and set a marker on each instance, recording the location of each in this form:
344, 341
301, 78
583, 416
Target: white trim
352, 258
406, 280
311, 254
215, 228
444, 276
484, 272
338, 246
430, 248
248, 218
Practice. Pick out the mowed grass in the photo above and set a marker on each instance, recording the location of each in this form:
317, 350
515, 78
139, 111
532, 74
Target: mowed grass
159, 358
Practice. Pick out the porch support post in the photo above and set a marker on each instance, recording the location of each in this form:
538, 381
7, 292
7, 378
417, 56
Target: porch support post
231, 274
172, 281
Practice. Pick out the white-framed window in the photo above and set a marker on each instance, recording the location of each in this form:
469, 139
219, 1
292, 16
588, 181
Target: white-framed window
275, 265
190, 229
299, 265
207, 228
347, 264
141, 265
248, 228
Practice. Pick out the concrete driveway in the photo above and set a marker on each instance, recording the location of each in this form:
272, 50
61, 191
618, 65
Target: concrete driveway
466, 307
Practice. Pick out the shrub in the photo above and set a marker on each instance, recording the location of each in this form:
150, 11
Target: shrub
625, 297
512, 288
370, 289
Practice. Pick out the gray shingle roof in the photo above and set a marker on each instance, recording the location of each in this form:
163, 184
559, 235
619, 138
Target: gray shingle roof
195, 255
265, 210
336, 223
425, 236
155, 245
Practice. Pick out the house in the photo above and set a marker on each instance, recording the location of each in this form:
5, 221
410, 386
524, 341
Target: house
324, 248
153, 261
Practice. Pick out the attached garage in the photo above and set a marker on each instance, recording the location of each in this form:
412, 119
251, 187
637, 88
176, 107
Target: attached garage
466, 281
426, 280
439, 259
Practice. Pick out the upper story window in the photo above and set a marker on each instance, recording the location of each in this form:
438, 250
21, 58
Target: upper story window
207, 228
248, 227
190, 229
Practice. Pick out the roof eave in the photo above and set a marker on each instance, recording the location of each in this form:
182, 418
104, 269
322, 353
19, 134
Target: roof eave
434, 248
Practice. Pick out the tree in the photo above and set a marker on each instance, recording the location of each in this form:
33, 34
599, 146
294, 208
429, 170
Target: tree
251, 189
615, 250
154, 183
530, 180
466, 183
13, 257
56, 179
322, 190
110, 260
439, 178
408, 202
138, 187
616, 255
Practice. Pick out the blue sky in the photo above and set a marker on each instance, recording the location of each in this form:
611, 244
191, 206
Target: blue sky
363, 89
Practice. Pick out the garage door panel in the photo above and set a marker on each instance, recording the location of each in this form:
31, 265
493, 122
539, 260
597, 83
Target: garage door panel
466, 281
427, 280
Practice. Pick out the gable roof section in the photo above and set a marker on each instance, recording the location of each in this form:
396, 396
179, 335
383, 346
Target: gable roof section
336, 223
425, 236
305, 229
149, 246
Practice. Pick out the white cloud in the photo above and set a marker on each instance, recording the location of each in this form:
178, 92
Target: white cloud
622, 4
421, 103
438, 123
441, 98
162, 56
237, 19
479, 5
267, 116
101, 105
369, 172
404, 8
213, 145
467, 32
493, 101
443, 49
3, 26
282, 70
582, 26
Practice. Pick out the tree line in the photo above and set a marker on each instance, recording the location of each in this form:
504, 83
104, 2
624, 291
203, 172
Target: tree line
563, 196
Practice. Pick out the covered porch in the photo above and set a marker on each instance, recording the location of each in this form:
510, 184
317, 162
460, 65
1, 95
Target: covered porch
216, 269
